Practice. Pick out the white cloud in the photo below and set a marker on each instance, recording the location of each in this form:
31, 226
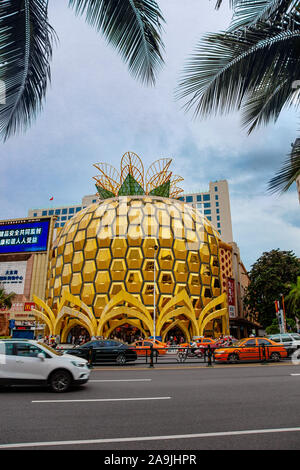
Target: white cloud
95, 111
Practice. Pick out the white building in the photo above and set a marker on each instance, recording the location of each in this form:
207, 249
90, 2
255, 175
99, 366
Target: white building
215, 205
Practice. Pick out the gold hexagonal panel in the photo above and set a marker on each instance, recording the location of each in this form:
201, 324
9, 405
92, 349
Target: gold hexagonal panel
89, 271
90, 248
109, 246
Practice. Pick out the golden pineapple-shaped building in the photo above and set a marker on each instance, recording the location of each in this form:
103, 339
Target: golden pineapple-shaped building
101, 274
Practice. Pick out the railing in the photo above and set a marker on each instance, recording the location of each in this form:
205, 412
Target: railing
178, 354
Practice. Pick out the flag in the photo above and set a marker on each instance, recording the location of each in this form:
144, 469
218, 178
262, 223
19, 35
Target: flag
51, 198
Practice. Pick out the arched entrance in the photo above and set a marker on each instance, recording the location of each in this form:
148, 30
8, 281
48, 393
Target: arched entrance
127, 333
175, 335
78, 335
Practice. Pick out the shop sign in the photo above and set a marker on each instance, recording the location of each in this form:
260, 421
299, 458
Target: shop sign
231, 297
28, 306
24, 236
12, 276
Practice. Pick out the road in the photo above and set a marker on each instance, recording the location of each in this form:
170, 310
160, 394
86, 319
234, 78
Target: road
255, 406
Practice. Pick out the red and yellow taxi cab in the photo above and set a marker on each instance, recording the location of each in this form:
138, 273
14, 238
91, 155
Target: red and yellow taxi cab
251, 349
142, 347
202, 343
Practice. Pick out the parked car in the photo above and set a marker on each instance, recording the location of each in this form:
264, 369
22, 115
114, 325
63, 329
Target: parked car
291, 341
251, 349
28, 362
142, 347
99, 351
202, 343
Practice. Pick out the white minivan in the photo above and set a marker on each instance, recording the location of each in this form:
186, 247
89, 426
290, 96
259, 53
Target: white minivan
29, 362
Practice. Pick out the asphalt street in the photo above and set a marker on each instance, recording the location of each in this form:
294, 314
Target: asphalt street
225, 407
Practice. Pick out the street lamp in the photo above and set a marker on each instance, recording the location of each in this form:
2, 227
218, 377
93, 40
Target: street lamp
154, 299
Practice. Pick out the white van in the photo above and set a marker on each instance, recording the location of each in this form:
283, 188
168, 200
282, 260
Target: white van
29, 362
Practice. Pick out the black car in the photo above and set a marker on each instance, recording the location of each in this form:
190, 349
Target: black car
99, 351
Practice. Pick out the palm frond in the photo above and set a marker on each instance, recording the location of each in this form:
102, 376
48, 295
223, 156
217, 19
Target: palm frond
25, 51
289, 172
266, 103
228, 66
133, 27
248, 13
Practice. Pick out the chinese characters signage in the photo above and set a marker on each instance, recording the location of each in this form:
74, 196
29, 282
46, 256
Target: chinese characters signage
12, 276
231, 297
24, 236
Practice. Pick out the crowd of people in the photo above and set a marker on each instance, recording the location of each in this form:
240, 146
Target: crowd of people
54, 340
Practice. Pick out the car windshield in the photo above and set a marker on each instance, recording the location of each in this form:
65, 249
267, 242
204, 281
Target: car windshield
238, 343
50, 349
295, 336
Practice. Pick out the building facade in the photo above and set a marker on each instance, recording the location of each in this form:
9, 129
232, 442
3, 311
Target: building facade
25, 246
215, 205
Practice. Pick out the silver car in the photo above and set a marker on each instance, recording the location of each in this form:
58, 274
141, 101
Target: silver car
291, 341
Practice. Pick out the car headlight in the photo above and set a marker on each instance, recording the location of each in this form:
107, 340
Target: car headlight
78, 364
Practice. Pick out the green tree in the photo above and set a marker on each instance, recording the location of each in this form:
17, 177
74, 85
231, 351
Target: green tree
273, 329
269, 277
5, 298
254, 67
293, 298
133, 27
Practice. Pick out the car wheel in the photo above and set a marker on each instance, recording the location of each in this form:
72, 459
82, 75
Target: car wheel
275, 356
121, 359
233, 358
60, 381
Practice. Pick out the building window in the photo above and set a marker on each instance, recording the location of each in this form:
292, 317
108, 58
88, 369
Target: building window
216, 198
64, 211
217, 204
216, 188
78, 209
56, 225
35, 214
44, 213
206, 197
51, 212
208, 218
181, 198
71, 210
94, 200
218, 225
64, 218
207, 204
218, 211
207, 211
218, 217
199, 197
70, 217
57, 212
62, 224
189, 199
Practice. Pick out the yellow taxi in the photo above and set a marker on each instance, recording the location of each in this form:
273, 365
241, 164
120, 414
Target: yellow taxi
251, 349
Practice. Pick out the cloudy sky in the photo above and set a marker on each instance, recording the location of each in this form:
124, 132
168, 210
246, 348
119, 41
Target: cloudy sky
95, 111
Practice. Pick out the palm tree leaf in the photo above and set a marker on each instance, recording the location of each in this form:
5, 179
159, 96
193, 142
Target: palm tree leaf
228, 66
266, 103
289, 172
248, 13
133, 27
25, 52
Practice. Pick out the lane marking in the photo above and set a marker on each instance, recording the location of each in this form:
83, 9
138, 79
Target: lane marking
147, 438
294, 374
100, 400
121, 380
